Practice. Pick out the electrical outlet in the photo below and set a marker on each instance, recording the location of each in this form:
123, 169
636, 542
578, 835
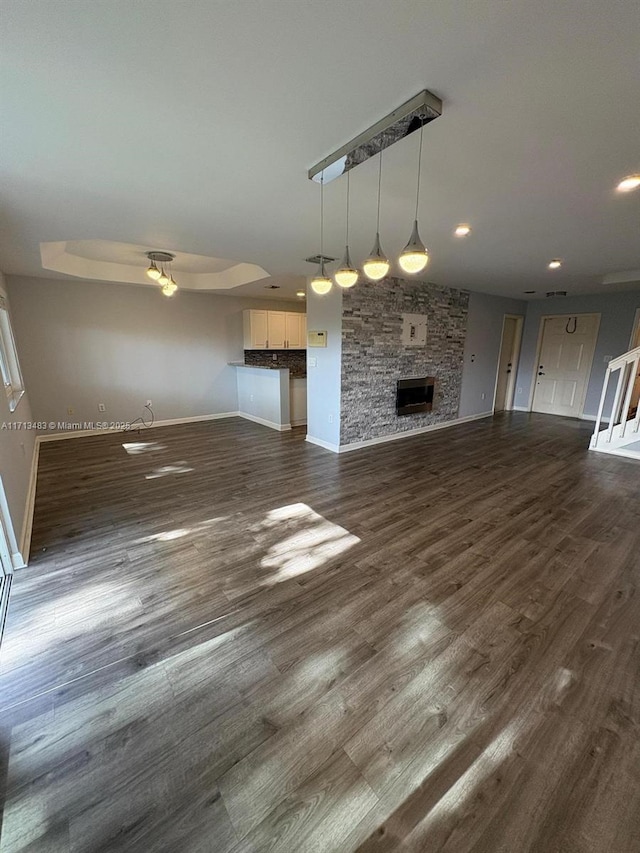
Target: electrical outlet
330, 419
149, 403
483, 395
102, 407
313, 362
275, 356
251, 398
69, 410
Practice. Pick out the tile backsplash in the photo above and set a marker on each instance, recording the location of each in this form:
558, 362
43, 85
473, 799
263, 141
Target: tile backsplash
294, 359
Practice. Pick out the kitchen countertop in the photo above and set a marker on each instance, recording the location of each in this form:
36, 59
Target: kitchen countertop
264, 367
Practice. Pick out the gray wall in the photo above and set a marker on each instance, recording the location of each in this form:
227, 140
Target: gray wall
324, 313
617, 312
83, 343
16, 449
374, 358
482, 350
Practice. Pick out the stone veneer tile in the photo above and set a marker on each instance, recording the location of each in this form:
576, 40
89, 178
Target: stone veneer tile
374, 358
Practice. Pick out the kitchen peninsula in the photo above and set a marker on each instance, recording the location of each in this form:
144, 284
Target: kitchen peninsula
272, 379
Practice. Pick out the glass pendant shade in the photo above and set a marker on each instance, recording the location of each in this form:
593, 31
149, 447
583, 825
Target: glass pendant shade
376, 266
321, 283
169, 288
414, 257
153, 271
163, 278
346, 275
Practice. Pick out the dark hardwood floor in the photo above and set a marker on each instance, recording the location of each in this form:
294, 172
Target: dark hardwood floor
230, 640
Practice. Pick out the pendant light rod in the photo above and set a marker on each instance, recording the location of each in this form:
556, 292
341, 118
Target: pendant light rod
347, 230
419, 168
322, 220
379, 187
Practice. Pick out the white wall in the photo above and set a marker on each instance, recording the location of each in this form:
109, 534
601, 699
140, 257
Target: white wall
324, 313
482, 350
16, 450
263, 394
83, 343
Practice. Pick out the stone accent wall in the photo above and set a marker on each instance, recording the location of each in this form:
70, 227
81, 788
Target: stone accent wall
374, 358
294, 359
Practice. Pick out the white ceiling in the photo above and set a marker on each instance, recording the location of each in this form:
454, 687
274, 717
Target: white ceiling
190, 127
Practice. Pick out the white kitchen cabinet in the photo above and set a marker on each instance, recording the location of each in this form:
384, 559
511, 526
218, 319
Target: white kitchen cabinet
276, 338
274, 329
256, 329
294, 339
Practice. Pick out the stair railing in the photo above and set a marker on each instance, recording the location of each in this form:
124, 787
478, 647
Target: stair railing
627, 364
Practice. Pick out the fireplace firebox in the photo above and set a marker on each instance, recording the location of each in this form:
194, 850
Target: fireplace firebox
414, 395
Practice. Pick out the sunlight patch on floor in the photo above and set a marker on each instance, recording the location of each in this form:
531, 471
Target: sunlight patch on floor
311, 542
61, 619
167, 470
134, 448
181, 532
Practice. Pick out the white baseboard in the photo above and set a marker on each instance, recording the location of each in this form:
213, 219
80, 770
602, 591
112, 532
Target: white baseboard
299, 422
83, 433
270, 424
334, 448
617, 451
27, 524
520, 409
395, 436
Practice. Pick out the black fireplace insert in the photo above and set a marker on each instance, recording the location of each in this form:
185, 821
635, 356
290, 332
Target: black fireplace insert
414, 395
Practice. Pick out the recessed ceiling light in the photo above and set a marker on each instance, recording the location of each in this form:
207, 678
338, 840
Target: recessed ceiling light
462, 231
631, 182
555, 264
300, 293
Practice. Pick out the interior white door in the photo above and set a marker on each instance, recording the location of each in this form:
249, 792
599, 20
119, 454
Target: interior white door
506, 365
564, 366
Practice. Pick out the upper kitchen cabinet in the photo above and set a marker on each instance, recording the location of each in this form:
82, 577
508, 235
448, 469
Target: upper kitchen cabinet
256, 329
274, 329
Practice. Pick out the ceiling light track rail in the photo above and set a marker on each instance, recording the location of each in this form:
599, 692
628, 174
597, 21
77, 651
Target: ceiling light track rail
404, 120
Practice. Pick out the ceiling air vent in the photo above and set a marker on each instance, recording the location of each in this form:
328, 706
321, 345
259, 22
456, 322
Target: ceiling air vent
315, 259
556, 292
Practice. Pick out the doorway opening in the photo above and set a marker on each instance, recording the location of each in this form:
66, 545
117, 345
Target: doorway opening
566, 345
508, 362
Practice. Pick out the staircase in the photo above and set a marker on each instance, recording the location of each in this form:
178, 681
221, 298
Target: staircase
621, 436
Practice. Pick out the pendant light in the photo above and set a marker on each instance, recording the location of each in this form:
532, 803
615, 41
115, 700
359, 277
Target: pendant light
163, 278
321, 283
377, 266
414, 257
153, 271
346, 275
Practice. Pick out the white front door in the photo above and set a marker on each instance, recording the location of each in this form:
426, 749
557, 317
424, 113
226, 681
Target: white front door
564, 365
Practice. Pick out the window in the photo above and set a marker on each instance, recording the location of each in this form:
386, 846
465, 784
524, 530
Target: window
9, 366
